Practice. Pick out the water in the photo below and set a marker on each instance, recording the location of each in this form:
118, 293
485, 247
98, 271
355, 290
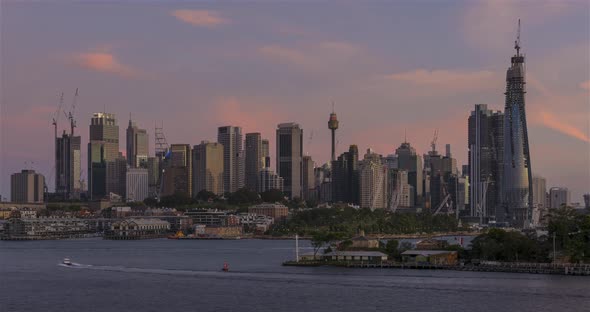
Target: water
177, 275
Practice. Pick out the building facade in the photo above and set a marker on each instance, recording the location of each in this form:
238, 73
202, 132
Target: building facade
208, 168
137, 184
268, 180
345, 177
486, 145
517, 177
137, 146
178, 173
68, 166
233, 157
27, 187
254, 159
103, 148
289, 138
559, 197
411, 162
373, 181
308, 189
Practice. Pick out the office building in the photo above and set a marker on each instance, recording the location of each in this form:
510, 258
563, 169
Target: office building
559, 197
103, 148
137, 146
137, 184
153, 166
265, 153
539, 192
254, 159
517, 186
411, 162
587, 200
116, 176
485, 142
233, 157
268, 180
68, 166
399, 191
178, 171
208, 168
344, 177
308, 178
373, 182
27, 187
289, 138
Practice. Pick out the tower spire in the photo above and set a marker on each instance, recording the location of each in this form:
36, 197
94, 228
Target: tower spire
517, 42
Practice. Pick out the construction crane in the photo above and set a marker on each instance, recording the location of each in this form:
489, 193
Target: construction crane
433, 142
56, 115
70, 114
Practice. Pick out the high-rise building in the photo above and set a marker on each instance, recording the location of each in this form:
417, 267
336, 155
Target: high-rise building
323, 182
373, 182
103, 148
268, 180
103, 127
208, 168
410, 161
265, 153
137, 146
399, 191
289, 156
308, 178
539, 192
333, 125
233, 157
97, 170
587, 200
153, 166
254, 159
137, 184
68, 174
27, 187
485, 142
178, 171
559, 197
116, 176
517, 180
345, 179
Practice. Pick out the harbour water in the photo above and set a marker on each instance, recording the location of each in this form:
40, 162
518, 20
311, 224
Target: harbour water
185, 275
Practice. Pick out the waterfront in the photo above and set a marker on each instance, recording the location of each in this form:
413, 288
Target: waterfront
172, 275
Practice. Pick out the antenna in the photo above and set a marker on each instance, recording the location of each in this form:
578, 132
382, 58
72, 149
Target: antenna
517, 42
434, 139
332, 107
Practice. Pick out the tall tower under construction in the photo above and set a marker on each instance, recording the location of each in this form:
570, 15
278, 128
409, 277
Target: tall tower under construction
517, 185
333, 125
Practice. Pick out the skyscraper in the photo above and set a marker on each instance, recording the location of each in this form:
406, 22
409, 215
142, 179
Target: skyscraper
559, 197
208, 168
289, 138
233, 157
345, 179
102, 149
307, 178
27, 187
485, 142
411, 162
517, 186
254, 159
539, 192
265, 153
137, 184
68, 166
179, 171
373, 182
137, 146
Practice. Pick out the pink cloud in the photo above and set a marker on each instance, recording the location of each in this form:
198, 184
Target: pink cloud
552, 121
104, 62
585, 85
318, 56
455, 80
203, 18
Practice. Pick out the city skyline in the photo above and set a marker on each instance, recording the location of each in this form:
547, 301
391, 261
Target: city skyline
382, 94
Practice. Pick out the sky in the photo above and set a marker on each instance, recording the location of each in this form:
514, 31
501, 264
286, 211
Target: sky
390, 67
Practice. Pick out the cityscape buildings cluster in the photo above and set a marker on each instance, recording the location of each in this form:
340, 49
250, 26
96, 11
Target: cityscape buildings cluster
495, 186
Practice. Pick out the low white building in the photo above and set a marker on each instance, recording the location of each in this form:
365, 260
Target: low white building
138, 229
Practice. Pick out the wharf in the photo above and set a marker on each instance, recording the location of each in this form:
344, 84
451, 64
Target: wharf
530, 268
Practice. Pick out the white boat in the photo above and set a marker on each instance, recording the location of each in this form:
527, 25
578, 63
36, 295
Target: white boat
67, 261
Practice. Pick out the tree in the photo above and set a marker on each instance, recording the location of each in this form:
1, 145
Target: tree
391, 248
243, 196
205, 195
320, 239
272, 196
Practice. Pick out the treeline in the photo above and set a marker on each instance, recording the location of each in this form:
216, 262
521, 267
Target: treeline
205, 199
348, 220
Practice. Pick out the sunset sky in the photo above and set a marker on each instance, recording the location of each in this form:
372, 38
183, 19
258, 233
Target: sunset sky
389, 67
